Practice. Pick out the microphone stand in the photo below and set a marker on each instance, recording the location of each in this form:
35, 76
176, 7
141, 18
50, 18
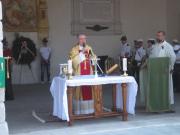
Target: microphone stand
96, 65
95, 62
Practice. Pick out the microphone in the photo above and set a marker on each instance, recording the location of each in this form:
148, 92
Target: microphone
90, 52
84, 45
162, 47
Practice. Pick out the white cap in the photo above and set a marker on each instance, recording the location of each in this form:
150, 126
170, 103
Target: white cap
151, 39
140, 40
176, 47
175, 41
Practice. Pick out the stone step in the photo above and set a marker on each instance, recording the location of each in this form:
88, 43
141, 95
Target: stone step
4, 129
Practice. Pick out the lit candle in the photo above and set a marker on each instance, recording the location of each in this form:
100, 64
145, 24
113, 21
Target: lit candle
125, 64
70, 70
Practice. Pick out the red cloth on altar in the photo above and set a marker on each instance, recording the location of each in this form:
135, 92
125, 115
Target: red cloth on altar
86, 70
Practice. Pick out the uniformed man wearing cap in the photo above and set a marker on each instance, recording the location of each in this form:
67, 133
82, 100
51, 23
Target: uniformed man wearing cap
133, 53
125, 52
135, 47
139, 56
150, 43
125, 48
175, 42
176, 73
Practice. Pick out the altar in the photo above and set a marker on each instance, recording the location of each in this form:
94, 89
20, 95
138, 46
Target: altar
124, 96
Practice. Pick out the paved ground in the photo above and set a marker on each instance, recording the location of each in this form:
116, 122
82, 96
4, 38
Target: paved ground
37, 97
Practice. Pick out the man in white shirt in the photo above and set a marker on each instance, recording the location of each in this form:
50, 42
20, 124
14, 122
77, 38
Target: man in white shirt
45, 53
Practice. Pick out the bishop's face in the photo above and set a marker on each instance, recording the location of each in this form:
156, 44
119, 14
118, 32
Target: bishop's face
82, 40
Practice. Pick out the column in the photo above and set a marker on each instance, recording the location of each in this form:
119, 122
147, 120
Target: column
3, 124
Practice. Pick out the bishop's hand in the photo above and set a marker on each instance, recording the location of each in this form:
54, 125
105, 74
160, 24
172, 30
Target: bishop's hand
82, 57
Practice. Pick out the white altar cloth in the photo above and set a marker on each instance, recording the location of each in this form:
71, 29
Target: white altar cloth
59, 86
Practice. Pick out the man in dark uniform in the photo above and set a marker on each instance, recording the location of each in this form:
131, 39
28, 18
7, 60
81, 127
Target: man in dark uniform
176, 73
